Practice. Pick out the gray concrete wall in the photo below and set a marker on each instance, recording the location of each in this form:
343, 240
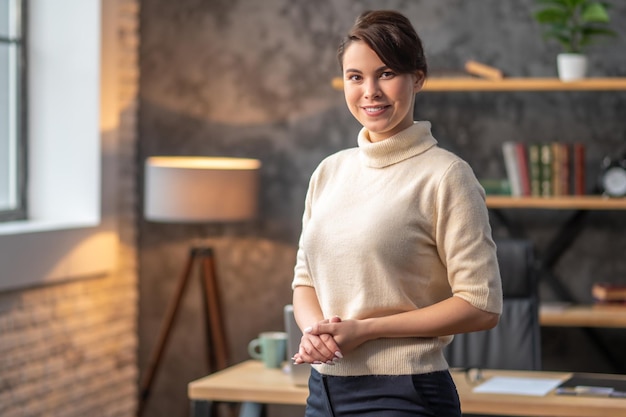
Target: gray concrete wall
252, 78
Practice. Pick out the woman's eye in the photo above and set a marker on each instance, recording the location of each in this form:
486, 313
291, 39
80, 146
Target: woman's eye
354, 77
387, 74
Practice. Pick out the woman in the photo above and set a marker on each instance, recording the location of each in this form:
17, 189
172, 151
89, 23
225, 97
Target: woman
396, 253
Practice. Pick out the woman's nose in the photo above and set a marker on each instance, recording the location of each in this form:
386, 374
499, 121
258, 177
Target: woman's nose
372, 89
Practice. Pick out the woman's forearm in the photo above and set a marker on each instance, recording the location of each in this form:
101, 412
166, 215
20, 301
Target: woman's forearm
320, 348
306, 307
451, 316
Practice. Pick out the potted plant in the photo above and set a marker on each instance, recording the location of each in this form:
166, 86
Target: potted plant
574, 24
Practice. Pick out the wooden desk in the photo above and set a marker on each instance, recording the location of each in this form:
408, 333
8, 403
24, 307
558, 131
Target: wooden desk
250, 383
583, 316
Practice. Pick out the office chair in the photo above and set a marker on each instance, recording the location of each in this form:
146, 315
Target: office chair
515, 343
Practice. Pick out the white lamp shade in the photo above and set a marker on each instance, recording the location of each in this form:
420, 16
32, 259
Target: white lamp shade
200, 189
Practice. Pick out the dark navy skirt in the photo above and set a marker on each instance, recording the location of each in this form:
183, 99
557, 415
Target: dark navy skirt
432, 394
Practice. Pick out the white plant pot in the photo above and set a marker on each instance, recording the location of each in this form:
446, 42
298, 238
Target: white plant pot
571, 67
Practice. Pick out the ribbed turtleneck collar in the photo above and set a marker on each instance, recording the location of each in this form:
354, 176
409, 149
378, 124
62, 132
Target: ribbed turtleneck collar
406, 144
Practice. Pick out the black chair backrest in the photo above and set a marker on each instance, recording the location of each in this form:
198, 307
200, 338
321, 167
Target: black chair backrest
515, 343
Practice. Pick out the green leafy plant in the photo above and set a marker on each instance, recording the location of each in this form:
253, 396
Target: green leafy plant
573, 23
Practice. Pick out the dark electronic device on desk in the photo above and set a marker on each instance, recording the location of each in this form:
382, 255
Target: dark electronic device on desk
593, 385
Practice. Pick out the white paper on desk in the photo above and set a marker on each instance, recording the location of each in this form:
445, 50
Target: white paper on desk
518, 386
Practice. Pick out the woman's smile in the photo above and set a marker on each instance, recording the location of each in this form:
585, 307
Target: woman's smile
375, 110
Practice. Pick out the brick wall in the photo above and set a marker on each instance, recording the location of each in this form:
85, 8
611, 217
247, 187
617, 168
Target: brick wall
69, 349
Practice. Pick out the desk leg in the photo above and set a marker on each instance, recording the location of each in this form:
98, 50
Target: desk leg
252, 410
201, 408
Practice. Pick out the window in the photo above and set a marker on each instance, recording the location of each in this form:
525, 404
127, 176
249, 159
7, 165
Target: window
70, 231
12, 114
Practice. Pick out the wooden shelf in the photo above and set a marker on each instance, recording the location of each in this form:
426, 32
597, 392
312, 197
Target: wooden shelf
583, 316
514, 84
524, 84
587, 202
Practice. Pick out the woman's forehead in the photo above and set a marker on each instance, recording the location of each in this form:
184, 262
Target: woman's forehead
358, 56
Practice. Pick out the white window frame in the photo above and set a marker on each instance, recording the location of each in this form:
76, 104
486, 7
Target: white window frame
12, 175
72, 136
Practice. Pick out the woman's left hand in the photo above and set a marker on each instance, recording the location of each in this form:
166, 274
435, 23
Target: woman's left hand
348, 334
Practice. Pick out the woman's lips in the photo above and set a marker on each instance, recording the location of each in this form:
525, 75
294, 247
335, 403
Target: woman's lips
375, 110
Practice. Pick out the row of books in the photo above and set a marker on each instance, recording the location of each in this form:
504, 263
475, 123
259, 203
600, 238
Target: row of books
609, 293
545, 169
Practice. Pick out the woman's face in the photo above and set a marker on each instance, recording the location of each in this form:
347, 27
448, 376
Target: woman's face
380, 99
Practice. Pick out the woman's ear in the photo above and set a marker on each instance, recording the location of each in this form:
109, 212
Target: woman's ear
419, 81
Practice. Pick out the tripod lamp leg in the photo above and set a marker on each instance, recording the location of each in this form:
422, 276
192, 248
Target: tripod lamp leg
218, 356
166, 327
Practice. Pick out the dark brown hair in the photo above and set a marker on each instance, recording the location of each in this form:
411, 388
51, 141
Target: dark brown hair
393, 38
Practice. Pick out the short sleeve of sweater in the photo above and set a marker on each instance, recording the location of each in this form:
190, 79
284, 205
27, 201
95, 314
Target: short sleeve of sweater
302, 276
464, 241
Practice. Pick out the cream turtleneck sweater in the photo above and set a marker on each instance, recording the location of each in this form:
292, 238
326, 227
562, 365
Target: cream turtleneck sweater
395, 226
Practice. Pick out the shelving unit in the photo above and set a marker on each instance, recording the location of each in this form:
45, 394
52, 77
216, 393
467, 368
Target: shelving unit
585, 317
587, 202
453, 84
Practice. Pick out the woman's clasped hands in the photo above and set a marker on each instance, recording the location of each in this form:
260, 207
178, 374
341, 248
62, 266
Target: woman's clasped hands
317, 346
327, 340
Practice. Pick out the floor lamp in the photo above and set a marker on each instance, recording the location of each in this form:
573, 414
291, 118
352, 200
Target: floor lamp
197, 190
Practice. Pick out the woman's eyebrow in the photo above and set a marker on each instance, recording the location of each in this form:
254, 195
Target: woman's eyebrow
379, 69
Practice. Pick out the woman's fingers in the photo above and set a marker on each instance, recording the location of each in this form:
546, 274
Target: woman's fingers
318, 349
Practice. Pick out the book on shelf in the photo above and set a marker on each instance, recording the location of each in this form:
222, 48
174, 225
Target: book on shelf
546, 166
545, 169
604, 292
534, 169
618, 304
522, 163
495, 186
578, 166
512, 168
554, 306
561, 168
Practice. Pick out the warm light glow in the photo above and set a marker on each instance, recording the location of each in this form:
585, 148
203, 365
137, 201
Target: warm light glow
200, 189
200, 162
